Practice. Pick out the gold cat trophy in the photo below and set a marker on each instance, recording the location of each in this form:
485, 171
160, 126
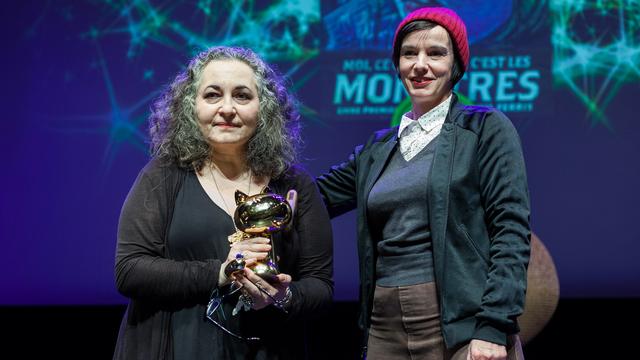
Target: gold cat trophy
259, 215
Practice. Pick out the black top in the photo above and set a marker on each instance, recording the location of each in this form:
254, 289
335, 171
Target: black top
169, 282
198, 231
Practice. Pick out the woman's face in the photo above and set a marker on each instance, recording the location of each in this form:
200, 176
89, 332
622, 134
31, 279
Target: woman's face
426, 60
227, 104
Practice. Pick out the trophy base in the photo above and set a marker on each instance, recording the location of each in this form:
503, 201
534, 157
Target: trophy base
267, 271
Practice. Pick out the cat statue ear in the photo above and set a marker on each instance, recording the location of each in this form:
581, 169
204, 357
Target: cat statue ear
240, 197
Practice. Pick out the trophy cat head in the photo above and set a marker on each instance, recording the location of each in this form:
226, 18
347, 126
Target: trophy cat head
262, 213
242, 197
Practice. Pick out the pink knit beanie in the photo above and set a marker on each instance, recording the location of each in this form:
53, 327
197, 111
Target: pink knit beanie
446, 18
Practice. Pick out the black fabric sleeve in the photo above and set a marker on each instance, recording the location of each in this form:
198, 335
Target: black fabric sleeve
505, 196
338, 186
142, 271
312, 288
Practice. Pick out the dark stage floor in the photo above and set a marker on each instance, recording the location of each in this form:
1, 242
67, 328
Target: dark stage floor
580, 328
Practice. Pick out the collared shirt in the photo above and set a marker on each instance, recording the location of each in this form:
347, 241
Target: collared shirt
414, 135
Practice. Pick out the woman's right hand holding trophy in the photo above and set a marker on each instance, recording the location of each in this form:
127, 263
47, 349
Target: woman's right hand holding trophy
251, 262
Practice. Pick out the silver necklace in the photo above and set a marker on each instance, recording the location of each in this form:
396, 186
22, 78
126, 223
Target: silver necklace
215, 182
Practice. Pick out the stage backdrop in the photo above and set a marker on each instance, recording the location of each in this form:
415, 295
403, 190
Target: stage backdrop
79, 78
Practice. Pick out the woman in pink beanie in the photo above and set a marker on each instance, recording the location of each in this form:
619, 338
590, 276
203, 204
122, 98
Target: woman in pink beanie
442, 205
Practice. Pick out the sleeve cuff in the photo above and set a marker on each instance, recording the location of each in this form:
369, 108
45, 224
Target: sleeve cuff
489, 333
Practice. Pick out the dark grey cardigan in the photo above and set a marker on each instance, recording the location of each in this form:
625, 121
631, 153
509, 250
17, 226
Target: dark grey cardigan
478, 202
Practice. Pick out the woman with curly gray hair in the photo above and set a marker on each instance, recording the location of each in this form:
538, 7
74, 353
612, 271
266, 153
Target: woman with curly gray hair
226, 123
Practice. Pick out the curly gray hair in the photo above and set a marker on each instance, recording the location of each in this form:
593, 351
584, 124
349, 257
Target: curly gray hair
176, 135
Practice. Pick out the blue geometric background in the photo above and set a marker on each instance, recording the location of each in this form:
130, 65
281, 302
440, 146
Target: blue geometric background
79, 78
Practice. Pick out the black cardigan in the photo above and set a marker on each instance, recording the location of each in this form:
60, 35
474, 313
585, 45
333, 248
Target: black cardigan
479, 215
155, 284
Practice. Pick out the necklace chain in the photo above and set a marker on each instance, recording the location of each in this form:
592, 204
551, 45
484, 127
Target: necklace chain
215, 182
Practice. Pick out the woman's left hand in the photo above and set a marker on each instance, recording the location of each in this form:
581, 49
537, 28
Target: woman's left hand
250, 282
484, 350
